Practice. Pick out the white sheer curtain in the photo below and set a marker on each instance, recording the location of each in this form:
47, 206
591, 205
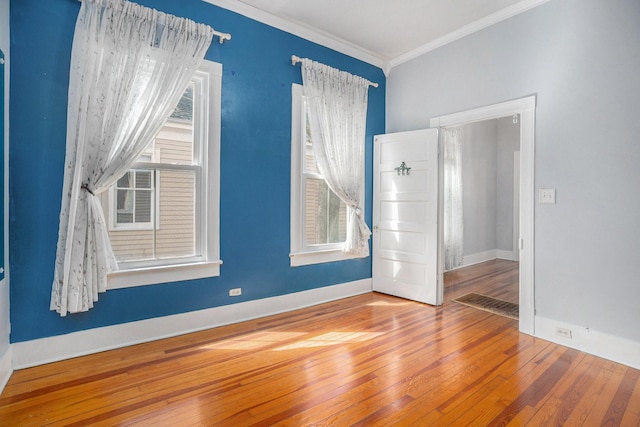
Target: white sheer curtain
453, 218
337, 107
129, 67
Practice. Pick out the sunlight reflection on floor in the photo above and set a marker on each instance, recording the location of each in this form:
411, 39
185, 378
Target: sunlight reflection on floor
253, 341
389, 303
262, 339
331, 338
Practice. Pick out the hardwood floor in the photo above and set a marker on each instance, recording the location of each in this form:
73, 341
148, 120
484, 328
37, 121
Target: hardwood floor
368, 360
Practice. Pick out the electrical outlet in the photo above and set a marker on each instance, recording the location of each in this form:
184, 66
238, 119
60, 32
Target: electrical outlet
563, 332
547, 195
235, 292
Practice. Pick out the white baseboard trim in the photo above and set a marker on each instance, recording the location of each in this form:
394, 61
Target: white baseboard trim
6, 369
617, 349
502, 254
52, 349
479, 257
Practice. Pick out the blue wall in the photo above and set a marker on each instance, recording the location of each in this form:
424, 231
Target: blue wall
255, 168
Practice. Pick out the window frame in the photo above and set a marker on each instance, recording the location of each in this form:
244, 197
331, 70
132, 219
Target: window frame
301, 254
207, 83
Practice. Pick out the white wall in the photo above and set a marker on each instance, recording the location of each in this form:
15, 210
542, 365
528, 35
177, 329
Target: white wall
508, 142
479, 197
5, 354
581, 58
487, 175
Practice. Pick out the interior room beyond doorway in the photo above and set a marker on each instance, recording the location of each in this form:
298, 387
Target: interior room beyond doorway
489, 153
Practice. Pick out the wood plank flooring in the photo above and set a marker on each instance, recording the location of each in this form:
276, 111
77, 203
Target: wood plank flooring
365, 361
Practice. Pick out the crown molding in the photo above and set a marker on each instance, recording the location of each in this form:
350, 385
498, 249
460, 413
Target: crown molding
300, 30
468, 29
340, 45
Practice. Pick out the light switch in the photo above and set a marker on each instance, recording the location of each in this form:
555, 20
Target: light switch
547, 195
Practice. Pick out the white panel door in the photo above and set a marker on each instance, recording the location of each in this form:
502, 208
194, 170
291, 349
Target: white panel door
405, 216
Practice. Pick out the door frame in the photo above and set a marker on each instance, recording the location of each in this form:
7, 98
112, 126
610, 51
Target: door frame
525, 108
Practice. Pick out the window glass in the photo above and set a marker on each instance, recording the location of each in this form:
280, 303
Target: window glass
175, 236
175, 142
134, 198
325, 214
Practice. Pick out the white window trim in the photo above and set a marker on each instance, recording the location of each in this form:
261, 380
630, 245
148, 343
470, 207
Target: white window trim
315, 254
208, 264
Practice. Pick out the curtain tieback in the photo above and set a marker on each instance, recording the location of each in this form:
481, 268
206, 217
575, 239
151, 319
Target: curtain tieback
86, 187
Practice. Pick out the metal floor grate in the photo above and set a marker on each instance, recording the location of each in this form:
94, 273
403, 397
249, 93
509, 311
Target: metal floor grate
490, 304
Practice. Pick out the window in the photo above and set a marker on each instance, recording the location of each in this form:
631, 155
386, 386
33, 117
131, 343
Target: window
134, 194
318, 216
163, 213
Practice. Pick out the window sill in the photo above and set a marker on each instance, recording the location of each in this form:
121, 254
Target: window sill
132, 227
162, 274
318, 257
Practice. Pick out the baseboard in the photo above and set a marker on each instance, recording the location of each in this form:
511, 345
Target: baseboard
617, 349
502, 254
479, 257
51, 349
6, 369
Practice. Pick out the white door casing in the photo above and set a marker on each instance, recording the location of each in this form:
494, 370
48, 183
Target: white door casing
525, 107
515, 248
406, 243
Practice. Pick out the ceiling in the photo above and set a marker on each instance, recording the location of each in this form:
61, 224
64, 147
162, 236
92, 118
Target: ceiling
384, 33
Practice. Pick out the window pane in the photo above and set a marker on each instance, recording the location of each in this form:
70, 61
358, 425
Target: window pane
174, 142
184, 110
143, 179
309, 160
337, 229
174, 234
125, 217
143, 206
132, 245
325, 214
124, 181
124, 200
176, 229
309, 157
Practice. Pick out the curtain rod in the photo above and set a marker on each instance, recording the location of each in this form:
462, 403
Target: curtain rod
221, 36
295, 59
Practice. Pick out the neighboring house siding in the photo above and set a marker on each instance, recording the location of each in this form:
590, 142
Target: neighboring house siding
310, 217
175, 237
132, 244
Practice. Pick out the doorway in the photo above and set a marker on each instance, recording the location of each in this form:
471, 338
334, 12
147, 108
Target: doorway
481, 210
524, 109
